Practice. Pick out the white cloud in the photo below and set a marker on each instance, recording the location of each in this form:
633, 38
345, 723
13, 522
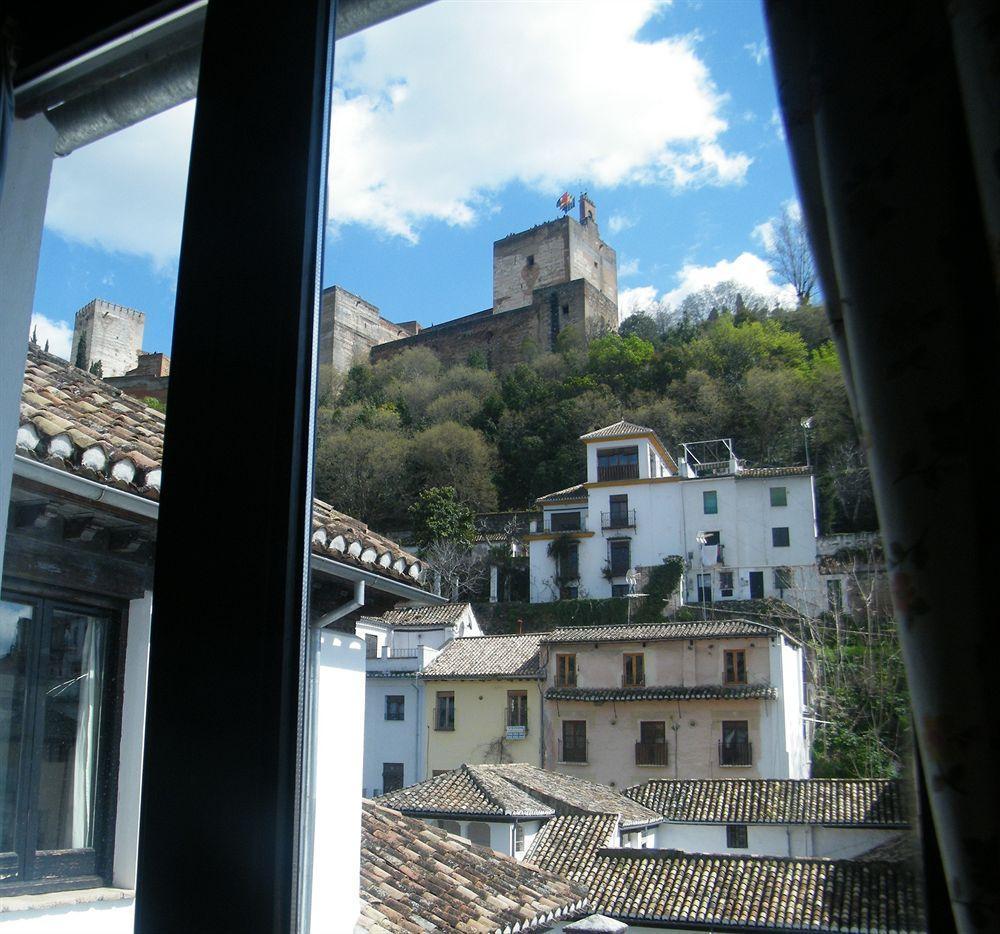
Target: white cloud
759, 51
748, 269
59, 334
628, 267
125, 193
619, 222
777, 124
436, 111
643, 297
763, 233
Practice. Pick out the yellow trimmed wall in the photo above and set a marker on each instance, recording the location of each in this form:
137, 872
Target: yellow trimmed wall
480, 720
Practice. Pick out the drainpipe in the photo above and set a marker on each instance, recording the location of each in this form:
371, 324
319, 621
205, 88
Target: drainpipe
355, 603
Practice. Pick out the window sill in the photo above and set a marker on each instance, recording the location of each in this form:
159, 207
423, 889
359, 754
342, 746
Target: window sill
50, 900
560, 762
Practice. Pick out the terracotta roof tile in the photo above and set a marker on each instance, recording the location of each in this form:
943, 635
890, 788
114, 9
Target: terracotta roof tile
576, 493
486, 657
617, 430
665, 692
515, 790
762, 893
76, 422
756, 472
416, 878
423, 617
827, 801
658, 632
471, 790
568, 844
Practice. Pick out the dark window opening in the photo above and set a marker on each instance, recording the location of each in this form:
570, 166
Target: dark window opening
734, 747
633, 669
618, 464
566, 671
620, 557
779, 537
392, 776
573, 746
735, 666
444, 711
565, 522
736, 836
395, 706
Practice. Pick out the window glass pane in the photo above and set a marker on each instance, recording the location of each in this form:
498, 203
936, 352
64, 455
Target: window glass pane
779, 496
15, 618
72, 685
710, 500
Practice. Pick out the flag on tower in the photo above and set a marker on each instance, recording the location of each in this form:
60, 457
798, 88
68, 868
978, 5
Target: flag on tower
566, 202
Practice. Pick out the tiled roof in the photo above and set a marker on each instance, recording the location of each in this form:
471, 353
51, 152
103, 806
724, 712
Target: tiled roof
80, 424
665, 692
424, 617
471, 790
617, 430
515, 790
701, 629
829, 801
416, 879
754, 472
568, 844
481, 657
569, 794
570, 494
762, 893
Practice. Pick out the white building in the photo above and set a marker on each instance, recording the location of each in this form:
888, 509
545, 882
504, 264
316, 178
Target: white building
398, 645
814, 817
743, 533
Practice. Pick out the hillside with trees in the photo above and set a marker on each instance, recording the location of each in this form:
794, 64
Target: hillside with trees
724, 364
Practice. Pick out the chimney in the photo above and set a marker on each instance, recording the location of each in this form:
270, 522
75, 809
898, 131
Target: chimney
520, 627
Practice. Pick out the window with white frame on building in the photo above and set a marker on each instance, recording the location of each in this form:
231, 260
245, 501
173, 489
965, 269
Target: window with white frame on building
518, 838
517, 709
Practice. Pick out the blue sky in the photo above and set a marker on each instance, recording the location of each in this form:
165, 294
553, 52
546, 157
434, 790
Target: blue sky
459, 124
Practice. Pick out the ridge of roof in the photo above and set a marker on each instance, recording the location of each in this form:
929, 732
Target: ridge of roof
652, 632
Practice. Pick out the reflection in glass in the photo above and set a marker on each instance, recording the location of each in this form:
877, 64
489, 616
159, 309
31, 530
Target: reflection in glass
14, 621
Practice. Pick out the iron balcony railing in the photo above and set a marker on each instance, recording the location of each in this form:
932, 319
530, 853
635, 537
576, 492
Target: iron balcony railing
651, 753
735, 753
618, 519
618, 472
573, 752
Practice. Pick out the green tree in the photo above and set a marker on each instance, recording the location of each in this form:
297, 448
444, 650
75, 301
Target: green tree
97, 369
619, 362
449, 454
81, 353
439, 515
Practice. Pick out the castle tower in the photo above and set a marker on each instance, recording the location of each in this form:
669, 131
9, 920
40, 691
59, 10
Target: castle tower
554, 254
110, 333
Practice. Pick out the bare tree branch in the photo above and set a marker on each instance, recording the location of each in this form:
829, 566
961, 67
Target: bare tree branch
790, 256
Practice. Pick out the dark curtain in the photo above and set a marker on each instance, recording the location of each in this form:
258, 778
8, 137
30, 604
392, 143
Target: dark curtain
891, 115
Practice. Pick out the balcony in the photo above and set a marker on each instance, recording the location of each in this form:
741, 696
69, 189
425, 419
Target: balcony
651, 753
618, 519
573, 753
617, 472
735, 754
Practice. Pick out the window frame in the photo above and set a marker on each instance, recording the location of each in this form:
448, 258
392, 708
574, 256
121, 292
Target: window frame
737, 832
580, 727
402, 776
512, 708
371, 645
449, 709
705, 494
564, 662
399, 701
69, 869
633, 669
739, 659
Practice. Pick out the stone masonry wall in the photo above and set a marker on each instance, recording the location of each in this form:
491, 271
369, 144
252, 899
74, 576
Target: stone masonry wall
530, 260
112, 334
349, 327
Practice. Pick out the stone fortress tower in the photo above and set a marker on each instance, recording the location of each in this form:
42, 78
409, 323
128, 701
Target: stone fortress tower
555, 276
110, 333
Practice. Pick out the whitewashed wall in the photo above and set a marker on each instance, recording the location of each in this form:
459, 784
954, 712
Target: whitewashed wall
775, 840
393, 740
